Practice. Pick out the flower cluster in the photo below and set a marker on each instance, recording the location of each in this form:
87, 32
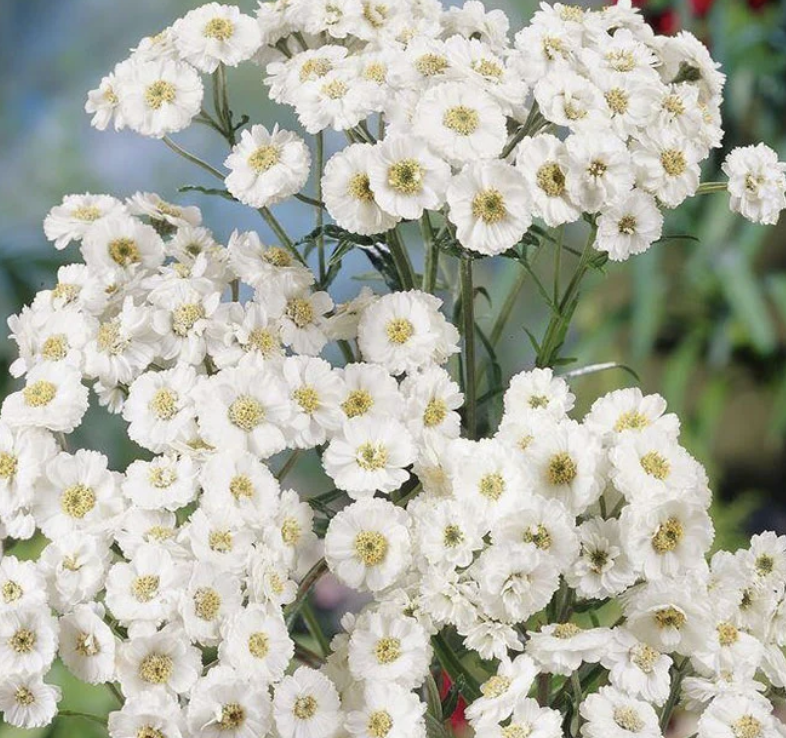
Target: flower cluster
556, 570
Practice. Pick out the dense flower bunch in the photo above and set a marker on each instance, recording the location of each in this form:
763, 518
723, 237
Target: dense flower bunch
556, 570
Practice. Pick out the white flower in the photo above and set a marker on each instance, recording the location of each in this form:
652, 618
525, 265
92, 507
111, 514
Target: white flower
666, 164
102, 103
210, 596
629, 410
664, 539
218, 540
543, 48
87, 645
255, 641
757, 183
367, 545
472, 19
530, 719
244, 407
610, 714
122, 245
637, 669
432, 399
28, 641
160, 409
492, 639
53, 397
389, 648
570, 100
538, 391
369, 391
22, 585
599, 170
223, 704
77, 214
567, 463
163, 215
686, 59
501, 692
603, 568
461, 123
304, 327
446, 533
306, 705
216, 34
287, 76
562, 648
78, 494
730, 716
234, 482
267, 166
366, 457
261, 265
149, 712
631, 101
405, 331
406, 178
347, 192
163, 662
315, 390
543, 162
28, 702
490, 205
343, 324
158, 97
387, 708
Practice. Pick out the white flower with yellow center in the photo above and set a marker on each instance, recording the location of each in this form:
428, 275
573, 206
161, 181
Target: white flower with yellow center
406, 178
666, 538
636, 668
234, 482
150, 713
387, 711
757, 183
216, 34
739, 716
546, 47
218, 540
446, 533
158, 97
365, 457
27, 702
103, 104
610, 713
544, 163
367, 545
316, 390
621, 55
432, 399
224, 705
160, 409
389, 647
78, 494
306, 705
163, 662
77, 214
502, 691
491, 639
490, 205
269, 581
251, 328
304, 324
461, 123
683, 55
144, 591
164, 216
599, 171
570, 100
568, 464
370, 392
651, 466
486, 477
22, 585
165, 482
347, 192
87, 644
629, 409
287, 77
630, 101
528, 719
206, 601
255, 641
138, 527
338, 18
539, 392
629, 227
77, 286
561, 648
53, 398
267, 166
28, 641
473, 23
423, 64
405, 331
262, 265
667, 165
122, 245
245, 407
291, 535
602, 568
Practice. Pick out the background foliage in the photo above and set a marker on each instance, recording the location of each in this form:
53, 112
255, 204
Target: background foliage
703, 322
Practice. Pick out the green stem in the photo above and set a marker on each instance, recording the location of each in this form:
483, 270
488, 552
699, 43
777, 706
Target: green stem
85, 715
470, 688
674, 694
706, 188
309, 200
281, 234
116, 692
289, 464
193, 159
544, 690
312, 577
307, 656
577, 696
226, 113
468, 313
558, 263
320, 212
312, 623
431, 265
401, 260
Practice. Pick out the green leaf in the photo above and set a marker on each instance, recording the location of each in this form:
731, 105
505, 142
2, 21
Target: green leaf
602, 367
207, 191
433, 700
436, 728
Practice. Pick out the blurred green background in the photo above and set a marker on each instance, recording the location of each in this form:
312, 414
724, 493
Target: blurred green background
703, 322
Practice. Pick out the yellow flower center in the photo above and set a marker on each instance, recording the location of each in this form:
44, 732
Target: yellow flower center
598, 560
359, 187
621, 60
148, 731
387, 650
375, 72
632, 419
406, 176
305, 707
628, 719
77, 501
86, 213
307, 398
11, 592
264, 158
232, 716
668, 536
645, 657
492, 486
452, 536
372, 456
164, 404
539, 536
8, 465
87, 645
23, 641
765, 565
220, 541
55, 348
673, 104
277, 256
162, 477
670, 617
39, 394
300, 312
430, 65
655, 465
259, 645
23, 696
747, 727
495, 686
158, 93
617, 100
728, 634
564, 631
461, 120
145, 588
66, 292
489, 206
551, 179
290, 531
220, 29
315, 68
379, 724
184, 317
263, 341
124, 251
246, 413
334, 90
562, 469
241, 487
673, 162
156, 668
358, 402
517, 730
487, 68
435, 412
371, 547
399, 330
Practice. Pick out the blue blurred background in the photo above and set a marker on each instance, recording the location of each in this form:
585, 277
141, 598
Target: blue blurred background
704, 322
